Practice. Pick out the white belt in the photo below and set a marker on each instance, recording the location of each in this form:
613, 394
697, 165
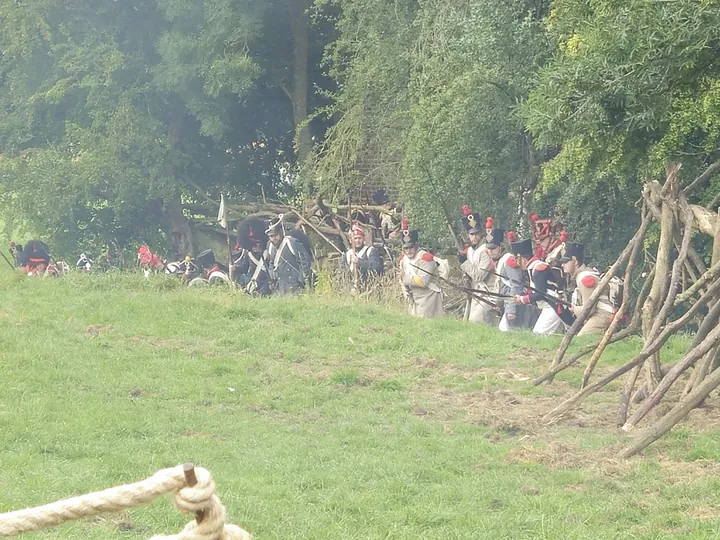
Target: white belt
606, 307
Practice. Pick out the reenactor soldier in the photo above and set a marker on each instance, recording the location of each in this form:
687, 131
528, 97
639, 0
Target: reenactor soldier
389, 220
361, 260
250, 266
587, 280
288, 260
511, 282
418, 276
543, 289
251, 271
476, 264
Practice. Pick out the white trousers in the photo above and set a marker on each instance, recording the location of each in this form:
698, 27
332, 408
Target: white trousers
549, 323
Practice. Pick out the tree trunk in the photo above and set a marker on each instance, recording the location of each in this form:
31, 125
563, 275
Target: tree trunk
301, 38
662, 275
178, 228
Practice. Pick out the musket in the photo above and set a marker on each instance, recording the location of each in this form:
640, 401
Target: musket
533, 289
472, 293
7, 260
448, 219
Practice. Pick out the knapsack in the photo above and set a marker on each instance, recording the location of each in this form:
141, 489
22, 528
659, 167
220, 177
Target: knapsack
443, 267
616, 290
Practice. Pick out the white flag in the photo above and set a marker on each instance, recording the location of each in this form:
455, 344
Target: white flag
222, 214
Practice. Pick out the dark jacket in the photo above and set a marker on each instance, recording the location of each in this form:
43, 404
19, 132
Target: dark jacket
369, 262
249, 277
288, 265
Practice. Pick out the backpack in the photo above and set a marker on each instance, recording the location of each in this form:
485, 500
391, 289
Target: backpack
616, 290
443, 267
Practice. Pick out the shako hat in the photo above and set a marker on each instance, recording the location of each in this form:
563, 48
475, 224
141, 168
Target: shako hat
494, 237
522, 248
276, 227
570, 250
469, 220
409, 237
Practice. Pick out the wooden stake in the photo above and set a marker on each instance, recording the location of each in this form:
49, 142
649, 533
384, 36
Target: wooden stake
648, 350
191, 479
313, 227
625, 301
672, 376
678, 412
627, 395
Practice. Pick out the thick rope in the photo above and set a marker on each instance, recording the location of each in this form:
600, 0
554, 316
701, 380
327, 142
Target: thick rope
200, 499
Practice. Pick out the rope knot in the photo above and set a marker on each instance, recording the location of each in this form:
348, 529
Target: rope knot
199, 497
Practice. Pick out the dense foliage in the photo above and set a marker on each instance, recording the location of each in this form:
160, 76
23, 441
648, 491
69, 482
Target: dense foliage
117, 115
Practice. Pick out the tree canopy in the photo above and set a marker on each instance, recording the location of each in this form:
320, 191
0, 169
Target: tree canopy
119, 116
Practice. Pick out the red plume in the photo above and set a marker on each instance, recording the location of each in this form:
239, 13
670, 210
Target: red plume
466, 210
534, 217
489, 223
405, 225
510, 236
563, 236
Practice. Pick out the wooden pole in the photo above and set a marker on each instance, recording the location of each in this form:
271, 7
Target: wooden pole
625, 301
648, 350
678, 412
673, 375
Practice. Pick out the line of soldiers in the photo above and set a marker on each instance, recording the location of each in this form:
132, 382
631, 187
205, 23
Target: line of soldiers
524, 286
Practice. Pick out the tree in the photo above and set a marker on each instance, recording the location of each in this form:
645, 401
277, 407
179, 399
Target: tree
632, 85
118, 115
426, 107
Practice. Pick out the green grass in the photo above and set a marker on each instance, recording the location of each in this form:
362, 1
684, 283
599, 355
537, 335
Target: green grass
344, 420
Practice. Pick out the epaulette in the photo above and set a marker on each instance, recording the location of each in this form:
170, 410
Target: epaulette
589, 281
512, 262
427, 256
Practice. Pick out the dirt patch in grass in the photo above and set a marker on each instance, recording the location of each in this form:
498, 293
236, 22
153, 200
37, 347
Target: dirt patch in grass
312, 370
706, 417
379, 330
440, 369
95, 330
530, 355
121, 522
685, 472
195, 347
705, 513
565, 456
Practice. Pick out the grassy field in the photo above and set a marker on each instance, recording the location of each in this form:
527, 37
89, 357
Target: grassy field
322, 418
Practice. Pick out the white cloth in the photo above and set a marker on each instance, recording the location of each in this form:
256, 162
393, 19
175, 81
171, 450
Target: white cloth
549, 323
503, 326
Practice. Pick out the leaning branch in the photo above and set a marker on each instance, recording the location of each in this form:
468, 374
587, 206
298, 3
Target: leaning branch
703, 178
